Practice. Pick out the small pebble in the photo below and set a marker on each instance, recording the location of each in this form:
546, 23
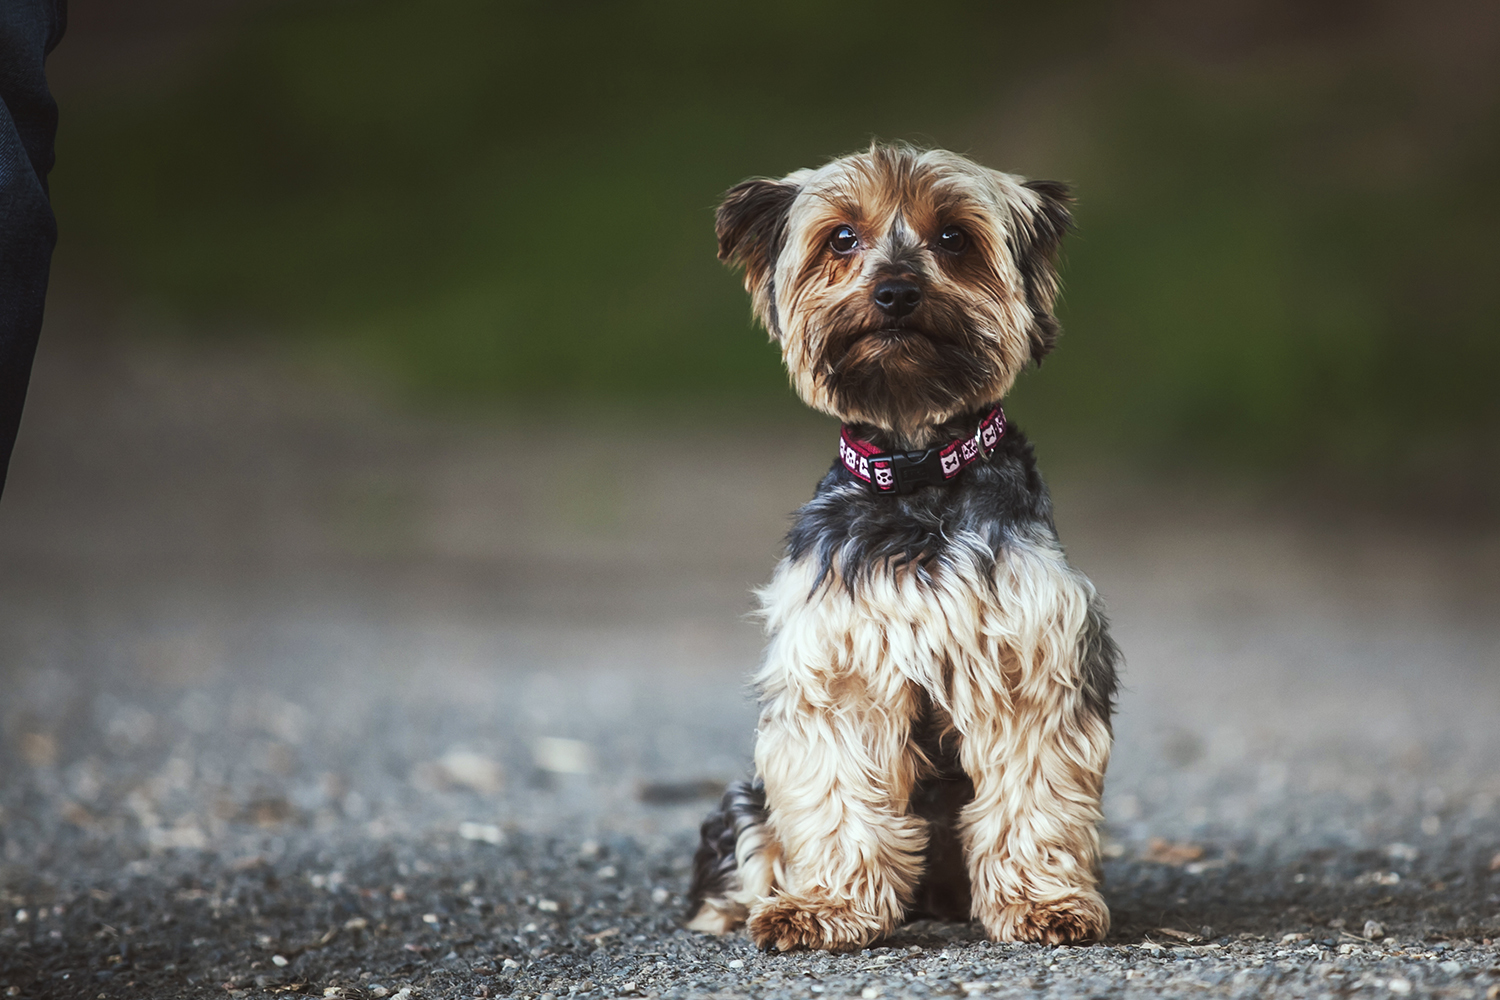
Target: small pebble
563, 756
510, 965
1400, 986
464, 767
279, 961
1402, 852
488, 833
1373, 930
429, 918
736, 963
660, 895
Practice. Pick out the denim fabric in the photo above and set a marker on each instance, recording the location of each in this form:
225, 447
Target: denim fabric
29, 29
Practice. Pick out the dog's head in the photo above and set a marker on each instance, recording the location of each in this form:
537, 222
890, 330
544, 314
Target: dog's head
905, 286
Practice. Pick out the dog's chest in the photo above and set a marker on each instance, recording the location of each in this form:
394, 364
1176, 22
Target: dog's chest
899, 623
965, 580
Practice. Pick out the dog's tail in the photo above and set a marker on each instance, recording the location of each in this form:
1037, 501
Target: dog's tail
733, 838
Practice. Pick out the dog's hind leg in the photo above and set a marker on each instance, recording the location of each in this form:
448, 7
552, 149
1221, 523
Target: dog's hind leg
733, 864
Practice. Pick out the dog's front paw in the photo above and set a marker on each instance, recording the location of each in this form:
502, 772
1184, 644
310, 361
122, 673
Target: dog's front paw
1075, 919
788, 923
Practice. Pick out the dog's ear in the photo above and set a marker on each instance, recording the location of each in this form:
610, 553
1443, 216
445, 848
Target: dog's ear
1041, 221
751, 226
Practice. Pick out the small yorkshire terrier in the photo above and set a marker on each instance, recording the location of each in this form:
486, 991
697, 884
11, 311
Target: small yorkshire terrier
937, 688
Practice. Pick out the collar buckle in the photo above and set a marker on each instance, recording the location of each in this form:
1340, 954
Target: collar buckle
913, 469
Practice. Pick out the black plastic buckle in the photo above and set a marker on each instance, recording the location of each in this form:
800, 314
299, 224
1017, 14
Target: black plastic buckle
912, 469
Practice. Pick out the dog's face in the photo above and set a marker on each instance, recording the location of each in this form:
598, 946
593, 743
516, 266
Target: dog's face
905, 286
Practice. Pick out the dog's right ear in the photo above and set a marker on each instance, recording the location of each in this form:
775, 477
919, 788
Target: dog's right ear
1040, 227
751, 226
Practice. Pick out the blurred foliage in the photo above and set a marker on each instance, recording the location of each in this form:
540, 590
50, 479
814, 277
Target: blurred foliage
1285, 248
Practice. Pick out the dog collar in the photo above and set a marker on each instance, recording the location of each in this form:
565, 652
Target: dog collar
901, 472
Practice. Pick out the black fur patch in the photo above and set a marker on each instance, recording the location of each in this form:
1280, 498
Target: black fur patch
998, 499
1034, 248
942, 791
1101, 662
714, 864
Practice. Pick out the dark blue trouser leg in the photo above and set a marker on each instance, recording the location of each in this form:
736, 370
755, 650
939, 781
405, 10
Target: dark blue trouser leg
29, 29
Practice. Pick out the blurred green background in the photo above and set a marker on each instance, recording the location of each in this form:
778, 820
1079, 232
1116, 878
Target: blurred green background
1285, 261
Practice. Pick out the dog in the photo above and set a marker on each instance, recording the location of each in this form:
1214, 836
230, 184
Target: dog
937, 687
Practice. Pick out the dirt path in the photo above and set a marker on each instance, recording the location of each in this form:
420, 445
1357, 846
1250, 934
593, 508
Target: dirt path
305, 695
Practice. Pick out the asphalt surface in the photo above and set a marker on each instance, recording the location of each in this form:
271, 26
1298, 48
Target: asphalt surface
305, 695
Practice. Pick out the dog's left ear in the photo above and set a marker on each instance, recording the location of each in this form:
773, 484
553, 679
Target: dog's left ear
1041, 221
751, 226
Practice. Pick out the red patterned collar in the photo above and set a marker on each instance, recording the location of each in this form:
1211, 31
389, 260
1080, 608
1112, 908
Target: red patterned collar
901, 472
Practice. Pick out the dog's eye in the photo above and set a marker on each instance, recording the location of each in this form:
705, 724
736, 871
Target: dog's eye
843, 240
953, 239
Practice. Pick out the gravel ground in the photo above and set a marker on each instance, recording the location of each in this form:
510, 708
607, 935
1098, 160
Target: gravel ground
302, 695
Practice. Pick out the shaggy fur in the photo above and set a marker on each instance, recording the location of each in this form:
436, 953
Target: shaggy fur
936, 692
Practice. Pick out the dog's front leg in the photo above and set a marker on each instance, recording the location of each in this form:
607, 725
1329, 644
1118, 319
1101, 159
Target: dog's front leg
1035, 741
833, 750
1030, 834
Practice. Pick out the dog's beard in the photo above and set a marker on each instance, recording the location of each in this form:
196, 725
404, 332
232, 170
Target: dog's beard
906, 376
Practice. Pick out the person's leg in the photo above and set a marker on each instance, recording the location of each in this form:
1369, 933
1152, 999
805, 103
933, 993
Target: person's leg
29, 29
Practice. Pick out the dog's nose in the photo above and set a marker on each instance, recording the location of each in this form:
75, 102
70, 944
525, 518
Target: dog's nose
897, 296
